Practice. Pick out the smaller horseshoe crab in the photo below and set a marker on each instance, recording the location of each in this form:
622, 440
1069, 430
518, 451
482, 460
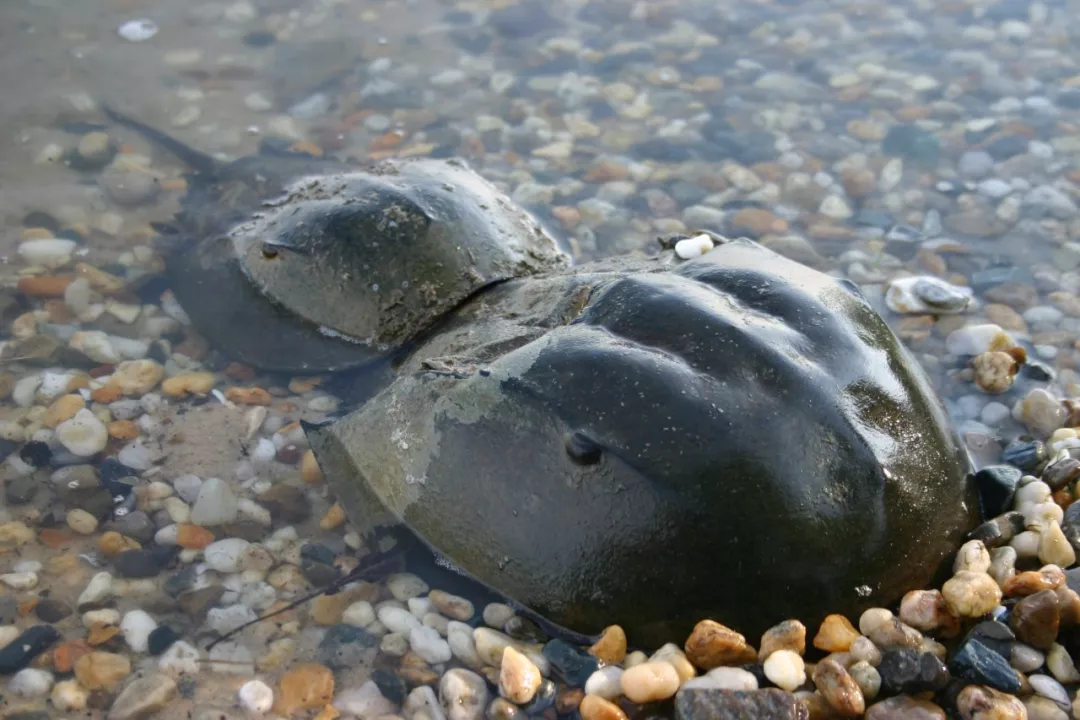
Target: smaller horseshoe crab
294, 263
640, 441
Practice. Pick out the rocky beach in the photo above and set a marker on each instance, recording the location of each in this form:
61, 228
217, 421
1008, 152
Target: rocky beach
158, 494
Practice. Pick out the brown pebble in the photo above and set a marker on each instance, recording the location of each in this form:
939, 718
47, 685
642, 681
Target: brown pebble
712, 645
1068, 607
63, 408
113, 543
788, 635
193, 537
248, 396
102, 670
1027, 583
327, 609
123, 430
310, 472
994, 372
45, 286
334, 517
66, 654
610, 649
838, 687
1036, 619
977, 702
305, 687
835, 634
107, 394
329, 712
593, 707
288, 455
54, 539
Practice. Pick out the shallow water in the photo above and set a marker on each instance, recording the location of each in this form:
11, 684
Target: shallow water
869, 139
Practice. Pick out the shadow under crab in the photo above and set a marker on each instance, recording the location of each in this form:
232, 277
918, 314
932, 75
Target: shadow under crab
640, 441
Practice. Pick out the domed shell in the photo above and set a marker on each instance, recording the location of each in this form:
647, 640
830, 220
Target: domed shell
346, 267
736, 437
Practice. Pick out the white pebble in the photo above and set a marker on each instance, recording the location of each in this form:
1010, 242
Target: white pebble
419, 607
360, 614
20, 580
404, 586
427, 643
83, 435
398, 620
105, 617
136, 627
50, 252
138, 30
226, 619
496, 615
180, 659
366, 701
232, 659
30, 682
605, 682
460, 638
785, 669
693, 247
7, 634
256, 696
225, 555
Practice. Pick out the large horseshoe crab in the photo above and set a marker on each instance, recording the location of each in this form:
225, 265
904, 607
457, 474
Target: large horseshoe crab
637, 441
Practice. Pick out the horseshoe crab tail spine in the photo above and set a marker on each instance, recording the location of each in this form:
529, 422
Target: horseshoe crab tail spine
198, 161
371, 567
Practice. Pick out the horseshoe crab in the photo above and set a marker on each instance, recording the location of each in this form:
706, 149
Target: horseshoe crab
641, 441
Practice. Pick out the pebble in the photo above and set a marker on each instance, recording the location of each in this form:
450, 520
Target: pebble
593, 707
976, 702
605, 682
427, 643
908, 672
650, 681
788, 635
977, 663
137, 30
463, 694
904, 708
136, 627
610, 649
519, 678
215, 505
304, 687
143, 697
366, 701
137, 377
362, 614
971, 594
785, 669
725, 705
397, 620
50, 252
693, 247
838, 687
83, 435
255, 696
69, 696
836, 634
1054, 547
1036, 618
452, 606
30, 683
404, 586
25, 647
225, 555
711, 645
102, 670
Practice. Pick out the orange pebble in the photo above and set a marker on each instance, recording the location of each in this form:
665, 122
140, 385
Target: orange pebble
193, 537
123, 430
248, 396
45, 286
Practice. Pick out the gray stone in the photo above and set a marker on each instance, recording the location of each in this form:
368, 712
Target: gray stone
143, 698
975, 164
708, 704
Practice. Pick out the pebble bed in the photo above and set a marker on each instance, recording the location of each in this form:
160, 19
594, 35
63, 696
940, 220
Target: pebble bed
156, 496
